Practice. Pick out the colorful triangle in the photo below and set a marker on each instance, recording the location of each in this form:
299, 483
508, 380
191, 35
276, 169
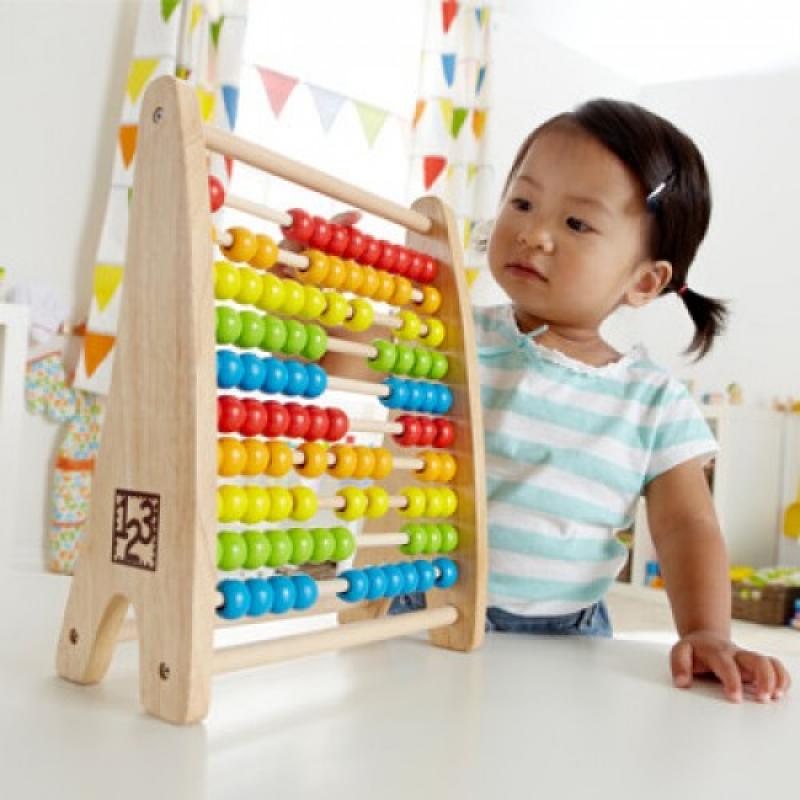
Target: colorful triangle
478, 122
127, 143
206, 100
216, 27
418, 111
167, 7
449, 11
278, 88
446, 107
459, 115
96, 346
107, 278
140, 72
230, 97
197, 13
432, 167
449, 67
472, 273
372, 120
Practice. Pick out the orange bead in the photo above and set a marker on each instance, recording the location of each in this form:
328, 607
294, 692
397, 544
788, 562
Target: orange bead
280, 459
371, 282
354, 277
431, 300
449, 467
317, 268
433, 467
234, 457
402, 291
257, 456
385, 290
337, 272
266, 255
384, 464
346, 461
315, 455
243, 247
365, 462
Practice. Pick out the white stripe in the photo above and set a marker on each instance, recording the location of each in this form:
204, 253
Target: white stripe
664, 460
508, 516
521, 565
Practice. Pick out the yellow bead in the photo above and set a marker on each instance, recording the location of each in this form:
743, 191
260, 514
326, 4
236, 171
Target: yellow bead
403, 288
280, 459
336, 311
365, 463
416, 502
363, 315
266, 255
281, 503
434, 502
410, 327
431, 300
435, 334
371, 282
313, 303
315, 459
450, 503
449, 467
433, 467
226, 280
258, 505
385, 290
250, 287
317, 268
243, 247
294, 298
355, 503
234, 457
273, 293
231, 503
346, 461
383, 464
354, 278
305, 503
258, 454
337, 272
377, 501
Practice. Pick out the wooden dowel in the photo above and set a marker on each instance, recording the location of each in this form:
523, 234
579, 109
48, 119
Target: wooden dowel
338, 503
230, 659
358, 387
375, 426
257, 210
226, 143
336, 345
389, 539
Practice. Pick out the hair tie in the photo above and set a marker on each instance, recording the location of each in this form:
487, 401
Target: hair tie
683, 289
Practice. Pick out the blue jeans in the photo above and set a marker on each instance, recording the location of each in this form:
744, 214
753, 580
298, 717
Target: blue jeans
591, 621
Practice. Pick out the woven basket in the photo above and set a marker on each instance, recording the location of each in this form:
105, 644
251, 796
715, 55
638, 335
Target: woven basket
769, 605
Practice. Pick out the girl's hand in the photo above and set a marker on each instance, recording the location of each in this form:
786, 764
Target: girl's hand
704, 652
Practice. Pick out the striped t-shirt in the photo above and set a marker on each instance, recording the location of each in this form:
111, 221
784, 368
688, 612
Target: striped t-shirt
569, 450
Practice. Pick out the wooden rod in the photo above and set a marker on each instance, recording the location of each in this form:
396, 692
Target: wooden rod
219, 141
257, 210
230, 659
375, 426
358, 387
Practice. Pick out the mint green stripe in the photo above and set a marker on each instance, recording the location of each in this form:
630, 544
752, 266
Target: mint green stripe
528, 543
576, 462
547, 501
541, 590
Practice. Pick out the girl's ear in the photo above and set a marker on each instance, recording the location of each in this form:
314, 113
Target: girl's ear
650, 278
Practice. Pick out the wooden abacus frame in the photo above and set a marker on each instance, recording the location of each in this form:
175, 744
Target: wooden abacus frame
156, 471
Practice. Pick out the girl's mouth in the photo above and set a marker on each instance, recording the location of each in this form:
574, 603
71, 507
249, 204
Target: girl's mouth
525, 270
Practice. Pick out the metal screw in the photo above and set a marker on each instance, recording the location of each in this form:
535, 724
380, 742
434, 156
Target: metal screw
163, 671
73, 636
158, 114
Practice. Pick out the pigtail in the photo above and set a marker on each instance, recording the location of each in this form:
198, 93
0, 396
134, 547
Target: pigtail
709, 317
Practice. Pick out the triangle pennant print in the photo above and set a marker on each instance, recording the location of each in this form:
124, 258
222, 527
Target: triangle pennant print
278, 88
107, 278
206, 100
197, 13
140, 71
446, 107
418, 111
432, 168
328, 105
216, 27
472, 171
230, 98
96, 346
478, 122
372, 120
127, 143
459, 115
472, 273
167, 7
480, 79
449, 11
449, 67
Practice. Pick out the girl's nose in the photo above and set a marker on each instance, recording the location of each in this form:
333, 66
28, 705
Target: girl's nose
537, 237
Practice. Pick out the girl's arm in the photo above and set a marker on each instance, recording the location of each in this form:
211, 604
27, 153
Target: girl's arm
694, 564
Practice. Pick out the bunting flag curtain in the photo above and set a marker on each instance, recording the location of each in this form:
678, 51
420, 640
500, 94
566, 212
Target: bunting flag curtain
200, 41
448, 143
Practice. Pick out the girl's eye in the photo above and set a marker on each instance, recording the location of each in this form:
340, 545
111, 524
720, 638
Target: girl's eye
578, 225
521, 204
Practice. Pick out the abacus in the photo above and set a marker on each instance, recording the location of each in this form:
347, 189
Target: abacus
188, 527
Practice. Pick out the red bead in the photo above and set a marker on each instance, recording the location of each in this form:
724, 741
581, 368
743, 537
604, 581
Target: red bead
299, 421
277, 419
338, 424
402, 262
302, 226
355, 244
318, 427
430, 269
427, 431
323, 231
372, 252
255, 417
339, 240
411, 430
416, 266
445, 433
388, 257
216, 193
230, 414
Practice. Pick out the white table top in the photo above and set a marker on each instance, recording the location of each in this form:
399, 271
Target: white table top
524, 716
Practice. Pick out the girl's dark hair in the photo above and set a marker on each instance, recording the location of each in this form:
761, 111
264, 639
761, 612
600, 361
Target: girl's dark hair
675, 189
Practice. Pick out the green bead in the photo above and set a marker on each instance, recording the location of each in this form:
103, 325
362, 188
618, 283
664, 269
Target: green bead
386, 356
317, 344
422, 363
229, 324
252, 329
345, 544
404, 362
258, 549
434, 538
296, 337
449, 537
324, 544
417, 539
302, 545
439, 366
274, 334
281, 548
234, 551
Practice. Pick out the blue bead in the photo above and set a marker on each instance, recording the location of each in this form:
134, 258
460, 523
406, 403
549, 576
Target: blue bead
283, 594
410, 577
357, 586
229, 369
260, 596
395, 582
376, 580
305, 591
426, 575
317, 380
448, 572
398, 393
237, 599
298, 379
414, 400
430, 397
253, 372
445, 400
275, 376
